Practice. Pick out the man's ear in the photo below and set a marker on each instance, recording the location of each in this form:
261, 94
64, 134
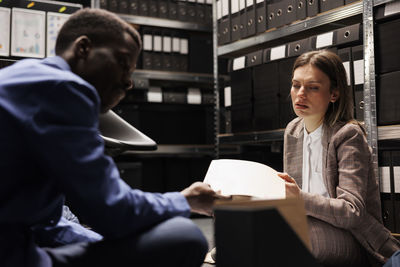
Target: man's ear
82, 46
335, 95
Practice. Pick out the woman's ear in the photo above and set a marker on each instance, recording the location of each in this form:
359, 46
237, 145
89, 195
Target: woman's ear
334, 95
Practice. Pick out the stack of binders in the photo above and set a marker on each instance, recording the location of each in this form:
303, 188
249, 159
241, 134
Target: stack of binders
165, 50
261, 81
388, 63
199, 11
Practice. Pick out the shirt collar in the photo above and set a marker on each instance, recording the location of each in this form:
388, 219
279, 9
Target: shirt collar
57, 62
317, 133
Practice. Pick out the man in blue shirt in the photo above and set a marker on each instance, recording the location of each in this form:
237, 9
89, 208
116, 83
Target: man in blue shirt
51, 149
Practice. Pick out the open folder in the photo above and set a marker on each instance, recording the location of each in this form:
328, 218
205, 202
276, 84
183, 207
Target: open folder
245, 178
120, 136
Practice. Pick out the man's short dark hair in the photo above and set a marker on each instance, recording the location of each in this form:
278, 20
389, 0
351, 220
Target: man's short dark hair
99, 25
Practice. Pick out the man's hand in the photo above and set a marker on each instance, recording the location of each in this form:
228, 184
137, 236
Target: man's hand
292, 189
201, 198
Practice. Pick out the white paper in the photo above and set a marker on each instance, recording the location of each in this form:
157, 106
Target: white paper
249, 3
28, 33
225, 8
358, 67
167, 44
147, 42
154, 94
239, 63
209, 2
384, 174
54, 24
242, 4
5, 31
325, 39
234, 6
194, 96
219, 9
176, 44
346, 66
184, 46
194, 1
278, 52
227, 96
201, 1
246, 178
259, 1
391, 8
157, 43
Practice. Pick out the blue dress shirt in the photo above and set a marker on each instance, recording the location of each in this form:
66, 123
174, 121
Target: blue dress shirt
50, 149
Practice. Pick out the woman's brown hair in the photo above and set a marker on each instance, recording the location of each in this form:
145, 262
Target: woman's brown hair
330, 64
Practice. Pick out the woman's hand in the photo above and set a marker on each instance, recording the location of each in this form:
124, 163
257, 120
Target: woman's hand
292, 189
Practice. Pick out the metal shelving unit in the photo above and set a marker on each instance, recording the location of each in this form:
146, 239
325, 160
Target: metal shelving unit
166, 23
184, 151
159, 22
176, 76
361, 11
322, 22
252, 137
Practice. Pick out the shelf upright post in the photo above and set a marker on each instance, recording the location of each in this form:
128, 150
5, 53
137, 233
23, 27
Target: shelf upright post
95, 3
216, 80
370, 109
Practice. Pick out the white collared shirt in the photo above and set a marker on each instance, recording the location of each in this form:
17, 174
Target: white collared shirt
312, 163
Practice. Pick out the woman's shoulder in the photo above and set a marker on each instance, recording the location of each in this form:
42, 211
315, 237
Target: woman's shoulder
352, 129
294, 125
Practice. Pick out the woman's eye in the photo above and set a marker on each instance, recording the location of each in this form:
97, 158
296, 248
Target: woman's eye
314, 88
296, 86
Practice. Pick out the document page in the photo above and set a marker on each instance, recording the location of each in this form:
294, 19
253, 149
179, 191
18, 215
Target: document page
245, 178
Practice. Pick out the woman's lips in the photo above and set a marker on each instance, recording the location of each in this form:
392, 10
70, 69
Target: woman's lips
301, 106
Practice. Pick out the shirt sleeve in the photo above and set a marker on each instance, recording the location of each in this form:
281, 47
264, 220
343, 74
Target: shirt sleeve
63, 138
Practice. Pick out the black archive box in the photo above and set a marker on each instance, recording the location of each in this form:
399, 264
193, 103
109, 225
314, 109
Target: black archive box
326, 5
312, 8
251, 17
153, 8
349, 35
191, 11
289, 12
299, 47
235, 20
387, 49
389, 160
286, 113
200, 53
276, 14
113, 5
388, 98
387, 11
346, 2
143, 7
133, 7
243, 19
241, 109
104, 4
182, 11
301, 9
261, 16
266, 96
163, 9
172, 10
357, 54
345, 56
123, 7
